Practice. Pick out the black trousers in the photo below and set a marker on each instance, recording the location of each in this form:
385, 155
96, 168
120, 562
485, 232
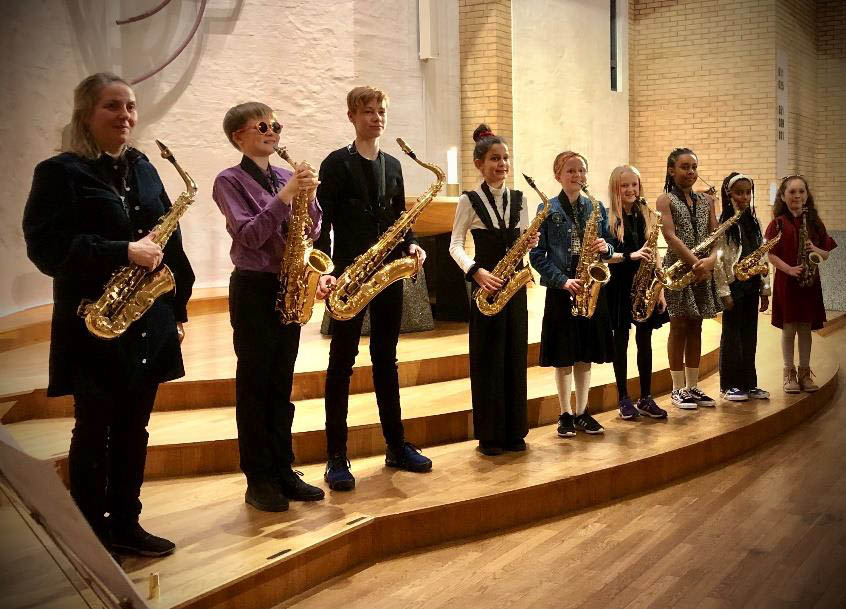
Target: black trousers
498, 358
643, 342
738, 344
385, 318
267, 351
107, 454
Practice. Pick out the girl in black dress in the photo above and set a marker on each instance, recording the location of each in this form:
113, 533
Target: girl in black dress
570, 343
631, 221
496, 216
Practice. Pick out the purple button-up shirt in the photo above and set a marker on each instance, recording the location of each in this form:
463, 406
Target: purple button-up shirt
256, 219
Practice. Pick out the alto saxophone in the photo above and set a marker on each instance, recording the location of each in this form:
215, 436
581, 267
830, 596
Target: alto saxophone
302, 265
753, 264
592, 272
132, 289
646, 285
362, 280
807, 259
491, 303
680, 274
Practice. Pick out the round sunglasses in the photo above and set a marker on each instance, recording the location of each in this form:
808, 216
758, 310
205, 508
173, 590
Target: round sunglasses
262, 127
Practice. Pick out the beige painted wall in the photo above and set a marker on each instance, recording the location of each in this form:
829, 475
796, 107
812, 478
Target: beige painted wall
562, 90
300, 56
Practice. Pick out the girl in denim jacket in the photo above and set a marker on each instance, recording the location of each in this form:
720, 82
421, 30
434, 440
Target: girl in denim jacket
570, 343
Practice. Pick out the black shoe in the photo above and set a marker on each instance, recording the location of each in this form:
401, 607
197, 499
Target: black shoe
588, 424
264, 495
491, 450
566, 427
409, 458
132, 539
516, 446
338, 475
294, 487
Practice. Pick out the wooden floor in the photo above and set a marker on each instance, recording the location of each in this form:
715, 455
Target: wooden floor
232, 555
766, 530
260, 557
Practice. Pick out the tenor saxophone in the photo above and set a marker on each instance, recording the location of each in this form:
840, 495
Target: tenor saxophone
132, 289
302, 265
367, 276
491, 303
680, 274
753, 264
592, 272
646, 285
807, 259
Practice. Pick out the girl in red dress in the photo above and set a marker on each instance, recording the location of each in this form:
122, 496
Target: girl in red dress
797, 309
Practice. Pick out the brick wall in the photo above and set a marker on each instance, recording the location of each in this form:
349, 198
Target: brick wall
702, 76
485, 64
830, 157
795, 34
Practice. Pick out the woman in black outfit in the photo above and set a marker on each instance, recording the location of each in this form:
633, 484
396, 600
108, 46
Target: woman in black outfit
90, 212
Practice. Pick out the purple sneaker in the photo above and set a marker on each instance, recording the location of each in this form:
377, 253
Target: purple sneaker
648, 408
627, 409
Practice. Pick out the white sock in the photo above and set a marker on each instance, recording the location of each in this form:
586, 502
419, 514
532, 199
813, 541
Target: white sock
564, 383
581, 372
678, 379
692, 376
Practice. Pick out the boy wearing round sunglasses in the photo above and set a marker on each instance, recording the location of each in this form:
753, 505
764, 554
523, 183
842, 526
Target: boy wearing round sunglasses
255, 199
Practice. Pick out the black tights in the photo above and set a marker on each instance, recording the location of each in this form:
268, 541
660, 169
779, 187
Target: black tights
643, 340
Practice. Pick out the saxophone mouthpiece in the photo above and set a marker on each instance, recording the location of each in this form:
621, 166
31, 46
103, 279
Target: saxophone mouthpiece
529, 180
405, 148
166, 153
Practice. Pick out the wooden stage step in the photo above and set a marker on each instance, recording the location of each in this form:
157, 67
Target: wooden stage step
204, 441
232, 555
423, 357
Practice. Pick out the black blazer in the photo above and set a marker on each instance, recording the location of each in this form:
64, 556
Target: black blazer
78, 232
357, 224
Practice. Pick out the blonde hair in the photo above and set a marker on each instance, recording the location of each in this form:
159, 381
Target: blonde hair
615, 199
85, 98
361, 96
237, 116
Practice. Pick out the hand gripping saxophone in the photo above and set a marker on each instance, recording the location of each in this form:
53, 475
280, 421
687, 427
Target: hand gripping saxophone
646, 285
133, 289
367, 275
808, 260
753, 264
680, 274
491, 303
592, 272
302, 265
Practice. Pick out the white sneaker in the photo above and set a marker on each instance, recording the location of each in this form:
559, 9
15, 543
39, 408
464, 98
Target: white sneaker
759, 394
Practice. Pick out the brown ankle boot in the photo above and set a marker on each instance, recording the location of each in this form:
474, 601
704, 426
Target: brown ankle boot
791, 383
805, 380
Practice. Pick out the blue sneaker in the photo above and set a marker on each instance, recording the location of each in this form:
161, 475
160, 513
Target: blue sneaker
627, 409
648, 408
756, 393
735, 395
408, 457
338, 475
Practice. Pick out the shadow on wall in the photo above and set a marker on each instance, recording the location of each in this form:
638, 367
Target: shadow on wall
133, 49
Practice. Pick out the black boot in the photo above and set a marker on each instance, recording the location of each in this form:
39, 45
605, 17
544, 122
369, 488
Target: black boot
295, 488
132, 539
264, 495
